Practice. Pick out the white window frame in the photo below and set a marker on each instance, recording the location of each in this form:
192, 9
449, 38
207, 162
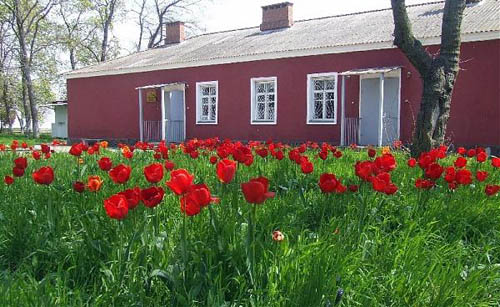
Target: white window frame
310, 99
199, 85
253, 102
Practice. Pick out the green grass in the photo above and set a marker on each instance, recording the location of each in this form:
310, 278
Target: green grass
7, 139
414, 248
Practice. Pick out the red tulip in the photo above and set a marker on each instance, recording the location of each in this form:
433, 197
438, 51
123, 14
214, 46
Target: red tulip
353, 188
481, 157
461, 151
481, 175
8, 180
45, 175
372, 152
36, 155
152, 197
279, 155
180, 181
463, 176
425, 184
154, 172
307, 167
338, 154
213, 159
323, 155
328, 183
471, 153
116, 207
412, 162
256, 190
460, 162
133, 197
105, 164
169, 165
434, 171
45, 149
386, 163
195, 199
194, 154
495, 162
491, 190
21, 162
120, 173
262, 152
79, 186
76, 150
225, 170
17, 171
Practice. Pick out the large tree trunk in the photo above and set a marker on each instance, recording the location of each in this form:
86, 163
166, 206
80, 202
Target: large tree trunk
7, 104
26, 72
438, 73
27, 113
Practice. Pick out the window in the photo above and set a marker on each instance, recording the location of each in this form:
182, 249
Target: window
207, 99
264, 101
322, 98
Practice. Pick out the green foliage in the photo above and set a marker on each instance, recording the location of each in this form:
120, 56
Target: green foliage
423, 248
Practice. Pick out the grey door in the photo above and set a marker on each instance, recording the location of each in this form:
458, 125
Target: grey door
174, 116
390, 117
370, 111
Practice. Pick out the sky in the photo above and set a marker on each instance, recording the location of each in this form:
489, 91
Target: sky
220, 15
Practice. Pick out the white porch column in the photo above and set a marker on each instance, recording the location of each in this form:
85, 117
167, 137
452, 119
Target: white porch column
342, 116
141, 117
381, 110
163, 126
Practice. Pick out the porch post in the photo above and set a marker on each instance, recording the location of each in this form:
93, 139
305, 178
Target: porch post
381, 110
141, 117
342, 117
163, 126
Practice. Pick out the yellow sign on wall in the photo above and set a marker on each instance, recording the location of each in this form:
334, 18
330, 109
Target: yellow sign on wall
151, 97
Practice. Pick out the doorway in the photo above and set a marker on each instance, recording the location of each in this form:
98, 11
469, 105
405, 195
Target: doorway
370, 117
173, 115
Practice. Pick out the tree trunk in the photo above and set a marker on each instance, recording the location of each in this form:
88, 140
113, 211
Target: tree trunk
27, 113
438, 72
26, 72
6, 101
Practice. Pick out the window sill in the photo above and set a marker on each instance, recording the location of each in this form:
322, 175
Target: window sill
263, 122
206, 123
321, 122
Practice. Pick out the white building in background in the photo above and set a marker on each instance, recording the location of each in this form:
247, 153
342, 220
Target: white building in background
59, 123
53, 119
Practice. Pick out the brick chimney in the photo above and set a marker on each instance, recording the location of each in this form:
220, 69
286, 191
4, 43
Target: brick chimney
277, 16
174, 32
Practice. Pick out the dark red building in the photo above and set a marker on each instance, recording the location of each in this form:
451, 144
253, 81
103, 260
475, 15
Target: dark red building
337, 79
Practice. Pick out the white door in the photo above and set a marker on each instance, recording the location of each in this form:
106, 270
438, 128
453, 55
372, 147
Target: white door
173, 116
370, 111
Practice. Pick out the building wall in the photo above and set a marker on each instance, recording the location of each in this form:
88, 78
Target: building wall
107, 106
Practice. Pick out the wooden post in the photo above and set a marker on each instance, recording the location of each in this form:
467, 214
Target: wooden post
141, 117
381, 110
163, 126
342, 117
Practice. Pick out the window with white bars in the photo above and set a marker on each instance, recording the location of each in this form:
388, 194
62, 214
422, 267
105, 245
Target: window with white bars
322, 98
264, 100
207, 99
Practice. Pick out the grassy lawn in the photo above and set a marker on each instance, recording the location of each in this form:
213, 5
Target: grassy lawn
435, 247
7, 139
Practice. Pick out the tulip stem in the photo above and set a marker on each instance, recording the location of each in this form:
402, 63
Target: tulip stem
251, 244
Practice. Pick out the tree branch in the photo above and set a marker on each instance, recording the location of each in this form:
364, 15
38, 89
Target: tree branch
406, 41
